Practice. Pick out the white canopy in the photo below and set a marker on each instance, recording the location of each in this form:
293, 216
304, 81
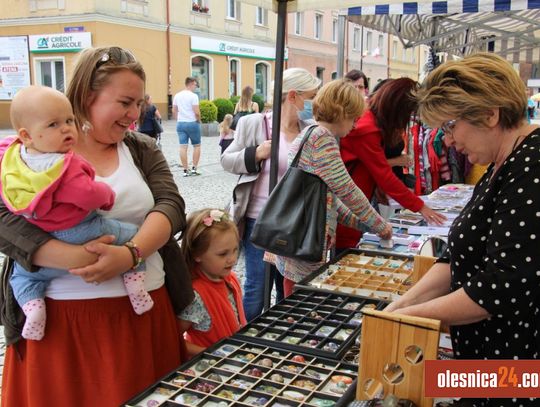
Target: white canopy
457, 26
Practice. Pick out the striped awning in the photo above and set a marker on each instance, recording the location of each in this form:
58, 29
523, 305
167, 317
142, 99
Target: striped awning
458, 27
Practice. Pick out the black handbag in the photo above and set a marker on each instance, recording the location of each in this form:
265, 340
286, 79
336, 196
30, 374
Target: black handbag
237, 117
292, 223
158, 129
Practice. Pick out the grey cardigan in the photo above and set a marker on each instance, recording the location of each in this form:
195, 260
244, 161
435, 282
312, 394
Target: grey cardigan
239, 158
19, 239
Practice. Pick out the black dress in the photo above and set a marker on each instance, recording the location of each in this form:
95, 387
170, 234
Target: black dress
147, 125
494, 253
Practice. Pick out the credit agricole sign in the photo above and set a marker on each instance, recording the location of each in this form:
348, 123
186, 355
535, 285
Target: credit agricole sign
62, 42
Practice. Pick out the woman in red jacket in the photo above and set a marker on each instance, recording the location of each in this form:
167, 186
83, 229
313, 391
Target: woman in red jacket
362, 152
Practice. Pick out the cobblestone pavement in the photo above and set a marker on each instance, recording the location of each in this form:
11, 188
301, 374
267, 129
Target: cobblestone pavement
212, 188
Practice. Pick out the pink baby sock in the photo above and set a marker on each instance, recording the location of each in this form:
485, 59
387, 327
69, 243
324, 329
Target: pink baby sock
140, 299
34, 326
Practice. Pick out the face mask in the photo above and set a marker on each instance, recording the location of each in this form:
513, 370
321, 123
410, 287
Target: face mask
307, 112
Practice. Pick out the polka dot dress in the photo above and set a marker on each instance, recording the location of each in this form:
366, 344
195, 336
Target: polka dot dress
494, 251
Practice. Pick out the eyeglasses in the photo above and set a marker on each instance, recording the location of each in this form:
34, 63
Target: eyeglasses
116, 56
448, 127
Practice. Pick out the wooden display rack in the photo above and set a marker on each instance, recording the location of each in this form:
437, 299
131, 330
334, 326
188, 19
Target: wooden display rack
392, 354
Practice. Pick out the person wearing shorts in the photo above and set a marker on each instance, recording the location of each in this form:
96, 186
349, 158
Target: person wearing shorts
188, 127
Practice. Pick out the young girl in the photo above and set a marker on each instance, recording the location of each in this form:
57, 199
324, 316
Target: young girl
210, 247
226, 134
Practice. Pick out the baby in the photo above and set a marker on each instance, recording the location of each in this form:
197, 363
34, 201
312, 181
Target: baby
53, 188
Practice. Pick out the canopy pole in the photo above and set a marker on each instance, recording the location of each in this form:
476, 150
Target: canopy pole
276, 121
342, 24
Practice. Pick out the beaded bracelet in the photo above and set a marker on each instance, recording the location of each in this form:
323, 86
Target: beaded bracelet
135, 253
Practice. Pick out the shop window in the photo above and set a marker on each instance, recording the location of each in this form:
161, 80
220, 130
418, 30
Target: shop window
51, 73
200, 69
320, 73
261, 79
234, 65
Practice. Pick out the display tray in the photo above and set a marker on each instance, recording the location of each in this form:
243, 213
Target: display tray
364, 273
317, 323
241, 374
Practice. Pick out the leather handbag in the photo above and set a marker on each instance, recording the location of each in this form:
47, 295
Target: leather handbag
292, 223
158, 129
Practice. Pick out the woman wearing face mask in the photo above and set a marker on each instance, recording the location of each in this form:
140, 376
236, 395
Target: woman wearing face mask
248, 157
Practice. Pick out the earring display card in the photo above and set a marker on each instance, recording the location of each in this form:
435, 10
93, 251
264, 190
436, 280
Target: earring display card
318, 323
240, 374
365, 274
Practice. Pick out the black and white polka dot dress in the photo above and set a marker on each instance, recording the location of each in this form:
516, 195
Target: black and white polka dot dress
494, 252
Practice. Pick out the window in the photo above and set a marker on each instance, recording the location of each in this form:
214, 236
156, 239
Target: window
298, 23
261, 79
334, 30
51, 73
200, 69
320, 73
369, 42
234, 76
35, 5
356, 39
405, 55
334, 75
394, 49
233, 9
261, 17
201, 6
318, 26
380, 44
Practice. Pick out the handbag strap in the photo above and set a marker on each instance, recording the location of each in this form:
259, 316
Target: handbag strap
294, 162
266, 127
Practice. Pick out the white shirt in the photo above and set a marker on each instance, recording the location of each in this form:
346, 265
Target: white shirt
184, 102
132, 203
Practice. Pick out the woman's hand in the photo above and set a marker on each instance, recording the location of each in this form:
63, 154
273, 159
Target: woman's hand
432, 217
263, 150
112, 261
386, 233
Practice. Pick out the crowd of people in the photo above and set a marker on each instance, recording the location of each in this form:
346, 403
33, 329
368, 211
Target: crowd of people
96, 280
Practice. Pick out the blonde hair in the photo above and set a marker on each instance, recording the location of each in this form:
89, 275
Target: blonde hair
225, 125
297, 79
246, 101
198, 235
337, 100
467, 89
93, 71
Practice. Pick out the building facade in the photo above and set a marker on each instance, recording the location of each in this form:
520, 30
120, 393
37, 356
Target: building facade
224, 43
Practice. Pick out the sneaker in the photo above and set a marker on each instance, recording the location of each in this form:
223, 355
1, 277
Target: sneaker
194, 171
186, 173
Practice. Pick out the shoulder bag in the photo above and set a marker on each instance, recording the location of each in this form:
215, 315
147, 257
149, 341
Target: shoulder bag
158, 129
293, 221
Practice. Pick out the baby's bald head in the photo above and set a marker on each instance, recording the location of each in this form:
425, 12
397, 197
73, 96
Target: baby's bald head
29, 101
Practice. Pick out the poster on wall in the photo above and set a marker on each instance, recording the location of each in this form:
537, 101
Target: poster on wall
14, 65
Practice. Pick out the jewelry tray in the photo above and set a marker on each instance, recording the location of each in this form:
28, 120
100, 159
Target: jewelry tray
241, 374
317, 323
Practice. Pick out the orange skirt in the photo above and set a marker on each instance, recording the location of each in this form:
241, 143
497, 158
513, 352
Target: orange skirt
95, 353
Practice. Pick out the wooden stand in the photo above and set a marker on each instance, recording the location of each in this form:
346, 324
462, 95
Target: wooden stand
421, 265
392, 354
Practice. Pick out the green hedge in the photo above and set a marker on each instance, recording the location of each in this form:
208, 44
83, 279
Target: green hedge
224, 106
234, 99
259, 100
208, 110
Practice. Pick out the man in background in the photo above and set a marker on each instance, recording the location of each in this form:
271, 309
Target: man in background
188, 127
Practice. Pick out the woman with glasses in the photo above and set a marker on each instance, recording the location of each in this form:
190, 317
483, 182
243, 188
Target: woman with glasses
248, 156
97, 351
381, 126
485, 286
